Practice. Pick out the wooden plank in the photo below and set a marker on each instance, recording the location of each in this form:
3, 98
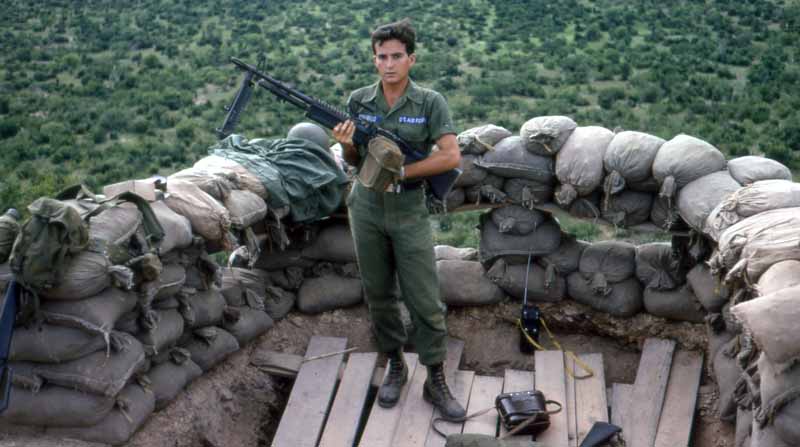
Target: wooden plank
572, 425
517, 380
649, 389
342, 424
382, 422
550, 380
677, 416
416, 414
301, 423
484, 391
590, 397
621, 405
461, 387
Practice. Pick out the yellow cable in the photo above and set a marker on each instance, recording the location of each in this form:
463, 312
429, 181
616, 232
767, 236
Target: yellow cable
584, 366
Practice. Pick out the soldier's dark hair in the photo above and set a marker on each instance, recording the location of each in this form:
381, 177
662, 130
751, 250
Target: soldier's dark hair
401, 30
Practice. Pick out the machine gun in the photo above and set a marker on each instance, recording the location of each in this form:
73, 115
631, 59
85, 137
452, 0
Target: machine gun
327, 116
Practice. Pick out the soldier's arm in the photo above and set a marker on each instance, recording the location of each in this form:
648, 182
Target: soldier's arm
446, 158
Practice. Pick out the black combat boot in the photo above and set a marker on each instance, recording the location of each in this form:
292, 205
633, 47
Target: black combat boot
437, 393
389, 392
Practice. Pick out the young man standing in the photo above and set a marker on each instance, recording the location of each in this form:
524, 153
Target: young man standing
391, 230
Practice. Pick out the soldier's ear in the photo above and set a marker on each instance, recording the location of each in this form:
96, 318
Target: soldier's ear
413, 58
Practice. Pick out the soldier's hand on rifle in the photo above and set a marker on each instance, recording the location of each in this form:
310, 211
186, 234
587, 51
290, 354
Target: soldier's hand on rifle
343, 133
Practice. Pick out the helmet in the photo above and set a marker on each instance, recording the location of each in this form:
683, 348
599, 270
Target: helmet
309, 131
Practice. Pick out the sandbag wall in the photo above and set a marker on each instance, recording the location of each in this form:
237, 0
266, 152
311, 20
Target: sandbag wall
734, 259
133, 320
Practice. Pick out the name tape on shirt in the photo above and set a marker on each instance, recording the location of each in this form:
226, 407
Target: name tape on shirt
370, 118
412, 119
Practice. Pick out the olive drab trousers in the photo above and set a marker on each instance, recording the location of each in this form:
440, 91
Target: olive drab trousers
392, 234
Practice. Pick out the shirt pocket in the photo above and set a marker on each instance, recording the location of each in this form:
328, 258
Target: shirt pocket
414, 133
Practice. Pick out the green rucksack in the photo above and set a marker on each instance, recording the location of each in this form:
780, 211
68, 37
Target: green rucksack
9, 228
53, 231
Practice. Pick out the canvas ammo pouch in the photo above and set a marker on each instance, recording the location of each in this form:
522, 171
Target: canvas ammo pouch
528, 408
381, 165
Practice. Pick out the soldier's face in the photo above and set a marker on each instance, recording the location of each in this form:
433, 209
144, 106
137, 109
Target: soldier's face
392, 61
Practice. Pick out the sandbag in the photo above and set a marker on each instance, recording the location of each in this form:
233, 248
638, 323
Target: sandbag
515, 249
629, 159
95, 373
657, 267
546, 135
665, 215
171, 280
781, 275
751, 246
699, 197
542, 286
510, 159
97, 314
218, 184
727, 372
87, 274
766, 436
9, 228
683, 159
567, 257
328, 292
47, 343
528, 193
587, 207
230, 169
203, 309
750, 169
289, 279
679, 304
245, 208
516, 220
278, 302
579, 163
489, 190
750, 200
608, 262
446, 252
454, 199
167, 379
56, 406
246, 323
177, 229
237, 281
464, 283
478, 140
780, 407
772, 321
711, 294
744, 427
281, 259
134, 405
628, 208
621, 299
114, 226
333, 243
471, 174
168, 329
210, 345
209, 218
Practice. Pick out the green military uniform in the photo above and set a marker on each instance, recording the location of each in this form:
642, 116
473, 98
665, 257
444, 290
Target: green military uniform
391, 230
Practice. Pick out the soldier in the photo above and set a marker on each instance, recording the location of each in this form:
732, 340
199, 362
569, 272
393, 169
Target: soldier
390, 227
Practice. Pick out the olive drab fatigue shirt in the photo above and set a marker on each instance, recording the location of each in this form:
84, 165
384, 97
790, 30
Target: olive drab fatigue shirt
420, 116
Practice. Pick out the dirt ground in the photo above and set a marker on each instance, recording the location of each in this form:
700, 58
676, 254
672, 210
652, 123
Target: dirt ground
236, 404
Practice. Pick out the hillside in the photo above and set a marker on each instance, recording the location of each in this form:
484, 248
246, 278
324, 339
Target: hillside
101, 91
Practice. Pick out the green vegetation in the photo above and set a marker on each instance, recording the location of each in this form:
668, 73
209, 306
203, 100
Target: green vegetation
101, 91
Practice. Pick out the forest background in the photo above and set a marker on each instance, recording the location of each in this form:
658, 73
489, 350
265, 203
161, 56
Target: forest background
97, 92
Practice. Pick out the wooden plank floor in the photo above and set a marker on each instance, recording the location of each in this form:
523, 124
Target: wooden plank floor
328, 421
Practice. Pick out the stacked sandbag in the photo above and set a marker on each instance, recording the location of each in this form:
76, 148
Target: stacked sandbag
531, 282
466, 283
606, 279
682, 160
524, 233
579, 163
699, 197
481, 139
628, 160
545, 135
750, 169
750, 200
511, 159
776, 420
